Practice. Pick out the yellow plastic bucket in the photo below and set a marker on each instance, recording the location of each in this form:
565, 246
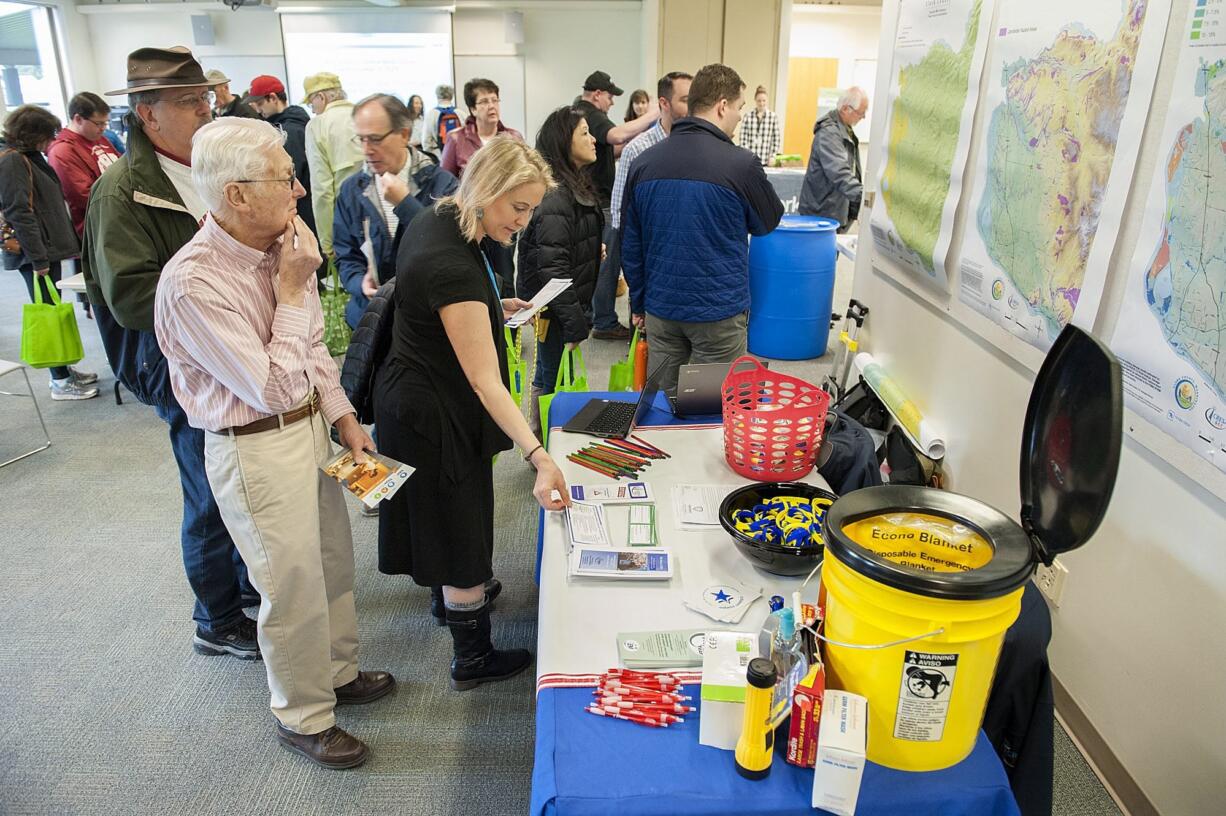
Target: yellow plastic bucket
920, 588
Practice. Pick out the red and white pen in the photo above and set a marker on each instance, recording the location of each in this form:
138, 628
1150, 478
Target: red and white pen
640, 720
669, 708
636, 714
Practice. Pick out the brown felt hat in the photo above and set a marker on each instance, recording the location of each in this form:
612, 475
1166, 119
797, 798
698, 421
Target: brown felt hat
155, 69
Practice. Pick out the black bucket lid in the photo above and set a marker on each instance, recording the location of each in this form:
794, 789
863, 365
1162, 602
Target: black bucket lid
1070, 444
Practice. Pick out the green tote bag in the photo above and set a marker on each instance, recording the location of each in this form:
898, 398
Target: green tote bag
49, 333
517, 366
621, 375
334, 299
572, 377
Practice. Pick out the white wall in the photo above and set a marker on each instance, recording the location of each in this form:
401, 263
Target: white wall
248, 43
561, 47
843, 33
1137, 639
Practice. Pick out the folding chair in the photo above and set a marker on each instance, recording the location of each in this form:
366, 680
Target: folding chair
7, 367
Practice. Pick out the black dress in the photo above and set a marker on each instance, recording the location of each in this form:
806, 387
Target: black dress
440, 527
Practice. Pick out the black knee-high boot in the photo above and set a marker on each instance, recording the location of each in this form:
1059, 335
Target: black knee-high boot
438, 607
476, 660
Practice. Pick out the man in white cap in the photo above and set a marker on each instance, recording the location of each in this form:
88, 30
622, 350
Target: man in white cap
331, 150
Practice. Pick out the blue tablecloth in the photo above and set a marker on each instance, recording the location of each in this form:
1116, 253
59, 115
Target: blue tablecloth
586, 765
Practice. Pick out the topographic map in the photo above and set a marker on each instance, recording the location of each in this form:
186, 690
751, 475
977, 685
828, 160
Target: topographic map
1171, 333
938, 60
1072, 89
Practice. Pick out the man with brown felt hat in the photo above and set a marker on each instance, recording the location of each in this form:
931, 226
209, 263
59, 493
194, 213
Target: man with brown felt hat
141, 211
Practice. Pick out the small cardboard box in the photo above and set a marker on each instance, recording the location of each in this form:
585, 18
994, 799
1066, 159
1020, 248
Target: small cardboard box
840, 752
806, 718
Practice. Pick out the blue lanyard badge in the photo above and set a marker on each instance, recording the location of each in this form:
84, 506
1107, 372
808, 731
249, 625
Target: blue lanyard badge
490, 270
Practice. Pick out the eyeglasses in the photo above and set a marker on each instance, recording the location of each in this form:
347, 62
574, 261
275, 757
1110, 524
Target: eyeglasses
373, 140
293, 177
486, 102
193, 100
99, 124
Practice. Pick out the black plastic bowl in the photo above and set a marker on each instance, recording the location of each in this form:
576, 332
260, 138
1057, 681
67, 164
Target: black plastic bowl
774, 558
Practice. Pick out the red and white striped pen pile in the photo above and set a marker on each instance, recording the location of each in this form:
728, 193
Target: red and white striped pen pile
647, 698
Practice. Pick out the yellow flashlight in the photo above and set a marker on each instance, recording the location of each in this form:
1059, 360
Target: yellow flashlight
757, 743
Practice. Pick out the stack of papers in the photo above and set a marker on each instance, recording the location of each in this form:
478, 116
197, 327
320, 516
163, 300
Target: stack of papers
696, 507
607, 562
585, 524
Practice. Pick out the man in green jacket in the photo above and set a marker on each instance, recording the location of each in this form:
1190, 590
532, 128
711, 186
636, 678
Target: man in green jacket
141, 211
331, 151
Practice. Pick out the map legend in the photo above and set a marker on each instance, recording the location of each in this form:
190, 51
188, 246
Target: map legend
1206, 22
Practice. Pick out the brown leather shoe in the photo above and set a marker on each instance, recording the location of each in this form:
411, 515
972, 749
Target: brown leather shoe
334, 748
367, 687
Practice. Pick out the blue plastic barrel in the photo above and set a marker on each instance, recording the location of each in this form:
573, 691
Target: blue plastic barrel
791, 287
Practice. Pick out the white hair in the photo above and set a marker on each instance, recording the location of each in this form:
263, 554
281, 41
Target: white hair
231, 149
852, 98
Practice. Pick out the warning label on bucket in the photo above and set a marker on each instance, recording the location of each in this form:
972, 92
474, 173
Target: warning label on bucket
923, 696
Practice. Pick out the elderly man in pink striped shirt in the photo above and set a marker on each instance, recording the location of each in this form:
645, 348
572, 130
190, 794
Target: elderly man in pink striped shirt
239, 320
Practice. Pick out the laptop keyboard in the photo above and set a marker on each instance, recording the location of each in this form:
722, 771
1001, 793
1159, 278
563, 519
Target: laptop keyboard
614, 418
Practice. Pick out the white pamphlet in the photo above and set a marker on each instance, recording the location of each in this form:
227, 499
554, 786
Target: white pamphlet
539, 301
620, 493
586, 524
609, 562
698, 504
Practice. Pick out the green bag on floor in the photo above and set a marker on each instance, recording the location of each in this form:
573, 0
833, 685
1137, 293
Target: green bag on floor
621, 375
572, 377
49, 333
334, 299
517, 366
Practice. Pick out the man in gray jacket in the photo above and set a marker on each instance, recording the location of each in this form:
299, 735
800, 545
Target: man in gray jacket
832, 187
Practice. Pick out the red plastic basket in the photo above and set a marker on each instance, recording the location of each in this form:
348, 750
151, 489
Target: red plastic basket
773, 423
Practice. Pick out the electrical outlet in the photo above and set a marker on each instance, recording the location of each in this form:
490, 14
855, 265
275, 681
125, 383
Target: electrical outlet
1051, 581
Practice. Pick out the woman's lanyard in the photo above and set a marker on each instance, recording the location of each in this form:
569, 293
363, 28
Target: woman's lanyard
490, 270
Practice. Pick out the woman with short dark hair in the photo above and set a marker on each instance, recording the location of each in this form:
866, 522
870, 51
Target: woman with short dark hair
36, 216
562, 241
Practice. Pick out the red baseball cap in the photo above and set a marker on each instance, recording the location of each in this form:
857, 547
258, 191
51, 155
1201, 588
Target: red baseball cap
264, 85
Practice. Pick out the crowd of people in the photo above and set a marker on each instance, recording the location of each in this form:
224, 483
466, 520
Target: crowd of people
204, 245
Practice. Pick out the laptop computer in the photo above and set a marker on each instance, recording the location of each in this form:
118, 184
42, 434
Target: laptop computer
700, 389
615, 419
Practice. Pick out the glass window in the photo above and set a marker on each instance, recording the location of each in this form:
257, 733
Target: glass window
29, 64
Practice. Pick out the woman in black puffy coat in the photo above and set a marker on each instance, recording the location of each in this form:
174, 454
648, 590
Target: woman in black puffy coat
562, 241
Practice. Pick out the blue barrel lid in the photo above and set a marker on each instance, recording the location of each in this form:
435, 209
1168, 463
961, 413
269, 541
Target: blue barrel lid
807, 223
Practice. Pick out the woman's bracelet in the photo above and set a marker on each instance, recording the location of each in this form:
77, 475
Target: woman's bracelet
528, 458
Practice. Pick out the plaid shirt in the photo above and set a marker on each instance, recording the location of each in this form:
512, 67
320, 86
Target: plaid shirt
653, 135
761, 137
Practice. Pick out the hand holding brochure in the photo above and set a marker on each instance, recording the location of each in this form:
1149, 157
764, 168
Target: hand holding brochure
372, 482
548, 292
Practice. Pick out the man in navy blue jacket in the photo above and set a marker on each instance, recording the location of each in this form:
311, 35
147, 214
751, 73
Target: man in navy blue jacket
377, 203
689, 203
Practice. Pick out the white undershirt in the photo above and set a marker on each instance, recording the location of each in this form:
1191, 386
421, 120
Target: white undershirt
180, 176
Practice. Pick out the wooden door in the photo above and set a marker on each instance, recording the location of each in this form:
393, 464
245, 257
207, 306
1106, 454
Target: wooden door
805, 76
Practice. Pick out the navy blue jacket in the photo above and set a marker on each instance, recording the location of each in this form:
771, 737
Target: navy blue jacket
355, 206
690, 201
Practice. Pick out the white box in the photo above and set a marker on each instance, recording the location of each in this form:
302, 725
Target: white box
725, 660
840, 752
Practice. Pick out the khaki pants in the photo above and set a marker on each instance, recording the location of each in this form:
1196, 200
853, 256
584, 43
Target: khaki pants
289, 522
674, 344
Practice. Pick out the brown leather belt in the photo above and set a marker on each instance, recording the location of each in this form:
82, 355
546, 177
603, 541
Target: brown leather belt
279, 421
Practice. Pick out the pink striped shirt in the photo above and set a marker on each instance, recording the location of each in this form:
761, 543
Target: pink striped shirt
235, 354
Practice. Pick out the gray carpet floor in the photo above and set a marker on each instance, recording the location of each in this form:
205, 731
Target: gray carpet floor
108, 711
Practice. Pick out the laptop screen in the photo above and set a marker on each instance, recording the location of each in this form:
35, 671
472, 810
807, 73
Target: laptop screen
647, 397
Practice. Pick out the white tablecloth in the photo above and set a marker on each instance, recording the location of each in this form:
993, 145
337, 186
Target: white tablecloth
579, 618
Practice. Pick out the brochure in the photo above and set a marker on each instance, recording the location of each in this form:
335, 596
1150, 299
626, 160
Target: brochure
548, 292
642, 530
372, 482
607, 562
676, 649
627, 493
586, 524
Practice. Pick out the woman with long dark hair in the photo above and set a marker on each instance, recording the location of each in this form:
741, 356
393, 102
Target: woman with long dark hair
637, 106
36, 215
417, 115
562, 241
